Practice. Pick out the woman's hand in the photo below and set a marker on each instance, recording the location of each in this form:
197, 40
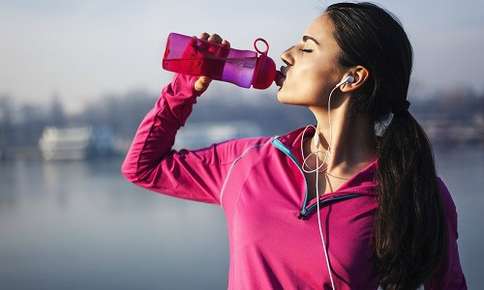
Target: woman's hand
201, 84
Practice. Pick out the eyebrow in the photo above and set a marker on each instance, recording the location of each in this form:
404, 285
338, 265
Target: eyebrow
306, 37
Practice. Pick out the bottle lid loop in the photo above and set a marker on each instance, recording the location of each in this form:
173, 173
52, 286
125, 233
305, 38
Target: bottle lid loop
266, 44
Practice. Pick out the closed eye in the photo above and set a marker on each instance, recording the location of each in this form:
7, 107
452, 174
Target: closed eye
306, 50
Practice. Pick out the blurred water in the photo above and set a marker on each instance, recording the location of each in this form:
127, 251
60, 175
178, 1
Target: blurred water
79, 225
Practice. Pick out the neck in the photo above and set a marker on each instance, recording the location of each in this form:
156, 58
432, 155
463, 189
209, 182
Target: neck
352, 146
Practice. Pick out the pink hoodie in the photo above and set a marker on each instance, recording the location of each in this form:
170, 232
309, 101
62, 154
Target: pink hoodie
272, 227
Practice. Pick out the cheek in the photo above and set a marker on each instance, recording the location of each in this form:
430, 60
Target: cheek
304, 85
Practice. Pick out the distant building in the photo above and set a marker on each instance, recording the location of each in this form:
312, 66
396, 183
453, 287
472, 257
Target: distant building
76, 143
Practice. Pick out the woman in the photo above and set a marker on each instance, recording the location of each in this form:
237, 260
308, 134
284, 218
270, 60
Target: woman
384, 217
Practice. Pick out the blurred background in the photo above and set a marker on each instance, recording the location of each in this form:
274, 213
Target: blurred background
77, 77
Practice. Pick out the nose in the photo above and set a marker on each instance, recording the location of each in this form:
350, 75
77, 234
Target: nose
287, 57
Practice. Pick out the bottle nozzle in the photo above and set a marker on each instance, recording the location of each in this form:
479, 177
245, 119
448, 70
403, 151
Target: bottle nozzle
279, 78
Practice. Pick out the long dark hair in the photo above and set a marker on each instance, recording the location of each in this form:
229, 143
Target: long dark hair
410, 231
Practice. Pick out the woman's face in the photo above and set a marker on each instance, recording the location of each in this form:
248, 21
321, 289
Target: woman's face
312, 66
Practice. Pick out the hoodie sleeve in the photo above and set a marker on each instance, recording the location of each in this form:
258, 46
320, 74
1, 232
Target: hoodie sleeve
152, 163
450, 275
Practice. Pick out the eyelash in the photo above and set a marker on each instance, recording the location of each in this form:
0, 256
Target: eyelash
306, 50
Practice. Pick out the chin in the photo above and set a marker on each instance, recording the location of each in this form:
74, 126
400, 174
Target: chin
284, 98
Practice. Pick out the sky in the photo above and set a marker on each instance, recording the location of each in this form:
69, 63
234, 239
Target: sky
82, 50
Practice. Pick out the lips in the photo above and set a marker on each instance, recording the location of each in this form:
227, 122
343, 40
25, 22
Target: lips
280, 76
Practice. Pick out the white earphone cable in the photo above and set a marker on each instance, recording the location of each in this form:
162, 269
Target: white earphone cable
327, 152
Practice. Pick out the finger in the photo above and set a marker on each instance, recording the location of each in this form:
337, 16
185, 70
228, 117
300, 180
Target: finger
204, 36
202, 83
204, 80
199, 87
215, 38
225, 43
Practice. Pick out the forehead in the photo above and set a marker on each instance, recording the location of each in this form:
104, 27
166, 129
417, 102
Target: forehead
321, 28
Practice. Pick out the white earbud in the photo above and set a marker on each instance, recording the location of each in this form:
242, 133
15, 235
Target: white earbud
346, 80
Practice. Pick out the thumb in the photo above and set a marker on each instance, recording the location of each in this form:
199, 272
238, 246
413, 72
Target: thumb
202, 83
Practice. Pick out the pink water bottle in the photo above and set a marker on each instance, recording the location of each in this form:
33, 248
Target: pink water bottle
194, 56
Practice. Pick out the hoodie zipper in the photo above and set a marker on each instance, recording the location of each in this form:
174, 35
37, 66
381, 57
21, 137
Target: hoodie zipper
304, 212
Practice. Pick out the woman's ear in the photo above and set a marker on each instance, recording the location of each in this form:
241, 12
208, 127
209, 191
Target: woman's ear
360, 75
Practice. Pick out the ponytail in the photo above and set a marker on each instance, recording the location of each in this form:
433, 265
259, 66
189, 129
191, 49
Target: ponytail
410, 225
